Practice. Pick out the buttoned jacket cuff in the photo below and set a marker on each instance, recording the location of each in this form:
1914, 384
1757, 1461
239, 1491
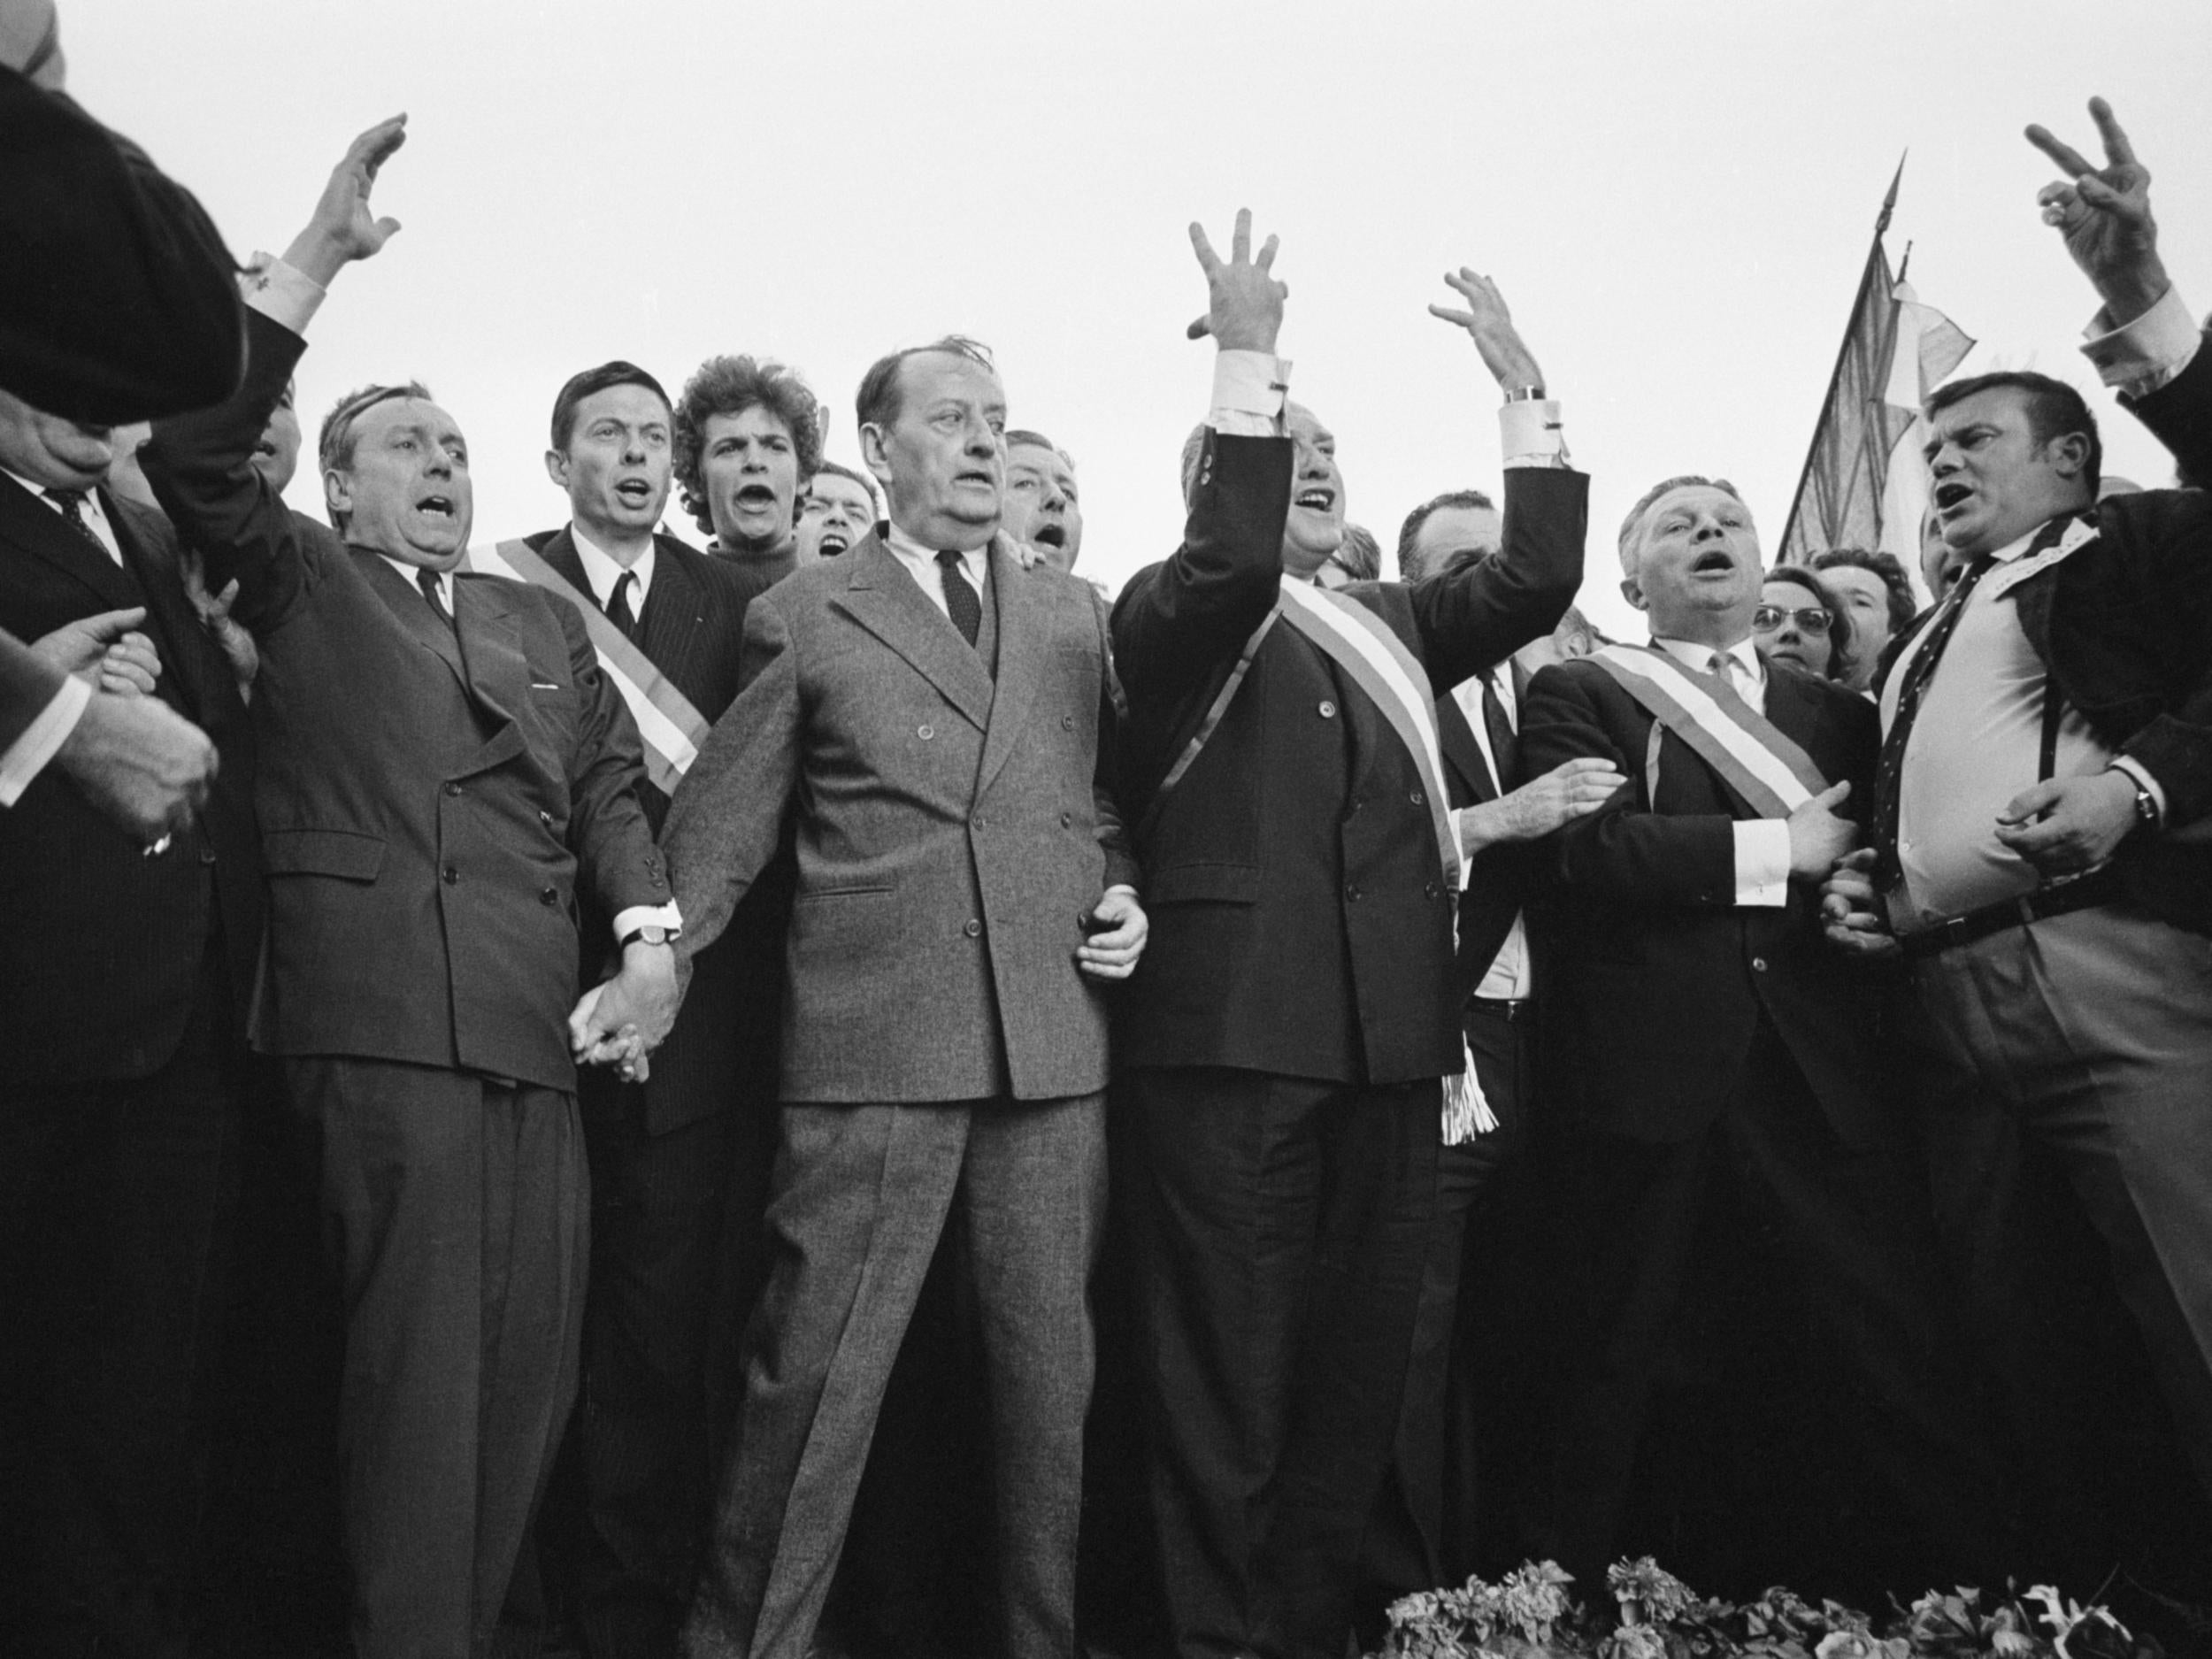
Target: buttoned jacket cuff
1762, 863
43, 738
1250, 389
2145, 355
286, 295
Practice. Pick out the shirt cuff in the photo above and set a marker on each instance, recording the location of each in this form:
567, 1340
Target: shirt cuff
2149, 352
1533, 435
1762, 863
648, 916
284, 294
1250, 388
2141, 774
40, 740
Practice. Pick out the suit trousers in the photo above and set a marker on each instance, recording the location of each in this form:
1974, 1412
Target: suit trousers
454, 1209
1859, 1231
1432, 1469
1281, 1227
117, 1201
668, 1284
859, 1197
2065, 1069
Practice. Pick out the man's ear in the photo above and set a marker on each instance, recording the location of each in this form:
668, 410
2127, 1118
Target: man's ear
1632, 591
337, 493
2069, 453
556, 467
873, 455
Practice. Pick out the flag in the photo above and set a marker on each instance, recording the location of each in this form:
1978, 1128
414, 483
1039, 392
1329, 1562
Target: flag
1863, 484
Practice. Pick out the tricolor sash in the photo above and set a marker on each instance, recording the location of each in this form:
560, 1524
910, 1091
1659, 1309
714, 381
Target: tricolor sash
673, 730
1377, 661
1764, 767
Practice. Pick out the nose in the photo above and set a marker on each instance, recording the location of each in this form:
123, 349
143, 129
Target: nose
633, 446
440, 464
1788, 630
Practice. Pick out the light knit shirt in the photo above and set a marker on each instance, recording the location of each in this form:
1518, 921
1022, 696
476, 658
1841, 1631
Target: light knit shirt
1975, 743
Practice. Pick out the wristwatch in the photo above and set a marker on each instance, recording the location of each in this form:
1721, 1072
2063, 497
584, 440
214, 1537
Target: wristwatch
2145, 802
651, 933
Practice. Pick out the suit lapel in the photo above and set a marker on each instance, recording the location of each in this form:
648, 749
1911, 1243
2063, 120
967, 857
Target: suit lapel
882, 598
1462, 752
1024, 625
39, 530
409, 610
561, 554
494, 666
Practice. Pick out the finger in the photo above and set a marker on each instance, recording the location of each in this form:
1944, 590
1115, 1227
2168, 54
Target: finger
374, 147
1266, 261
111, 626
1198, 328
2117, 151
229, 596
2030, 802
1835, 793
1240, 238
1862, 859
2059, 151
1464, 319
1209, 261
386, 229
2097, 193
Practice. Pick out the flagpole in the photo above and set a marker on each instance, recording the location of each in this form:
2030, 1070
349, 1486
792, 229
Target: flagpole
1843, 351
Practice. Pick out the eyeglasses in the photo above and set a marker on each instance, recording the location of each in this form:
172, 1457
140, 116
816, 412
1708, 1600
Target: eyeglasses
1812, 620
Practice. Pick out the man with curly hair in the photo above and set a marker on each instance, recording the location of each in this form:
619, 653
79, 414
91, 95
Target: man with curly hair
748, 437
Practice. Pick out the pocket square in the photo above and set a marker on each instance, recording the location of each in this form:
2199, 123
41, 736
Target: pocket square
544, 685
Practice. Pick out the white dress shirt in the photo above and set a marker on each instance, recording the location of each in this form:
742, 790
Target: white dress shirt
921, 564
95, 516
1509, 977
603, 571
39, 741
1763, 845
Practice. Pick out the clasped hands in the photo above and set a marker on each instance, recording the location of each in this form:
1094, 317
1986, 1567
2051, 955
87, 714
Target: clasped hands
623, 1018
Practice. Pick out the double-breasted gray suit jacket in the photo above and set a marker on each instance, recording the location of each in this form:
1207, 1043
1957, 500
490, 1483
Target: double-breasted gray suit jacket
953, 832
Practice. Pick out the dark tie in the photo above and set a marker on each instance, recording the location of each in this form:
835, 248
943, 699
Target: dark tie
71, 504
1918, 672
619, 611
1505, 743
428, 580
960, 603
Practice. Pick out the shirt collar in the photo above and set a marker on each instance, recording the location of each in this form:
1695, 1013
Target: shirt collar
1701, 657
90, 492
602, 570
2012, 550
918, 556
413, 573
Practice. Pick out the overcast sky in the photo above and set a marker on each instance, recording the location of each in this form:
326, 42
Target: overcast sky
1676, 200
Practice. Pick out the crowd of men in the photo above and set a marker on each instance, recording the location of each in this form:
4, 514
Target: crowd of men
674, 986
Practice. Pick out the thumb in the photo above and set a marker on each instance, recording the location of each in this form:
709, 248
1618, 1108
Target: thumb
111, 626
1835, 795
386, 229
1197, 329
2030, 802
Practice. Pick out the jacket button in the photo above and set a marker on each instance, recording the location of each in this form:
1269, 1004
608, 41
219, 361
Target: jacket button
207, 854
549, 895
453, 788
1758, 965
976, 822
1351, 893
1417, 798
1328, 710
544, 817
1430, 889
972, 928
1067, 723
1067, 820
924, 732
451, 875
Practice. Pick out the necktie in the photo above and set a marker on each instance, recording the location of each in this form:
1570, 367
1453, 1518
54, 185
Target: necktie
428, 580
1505, 743
71, 504
619, 611
1723, 667
1918, 674
961, 600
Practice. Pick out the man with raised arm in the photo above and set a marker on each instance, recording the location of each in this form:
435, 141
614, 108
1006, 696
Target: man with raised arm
1710, 1041
1283, 1051
444, 772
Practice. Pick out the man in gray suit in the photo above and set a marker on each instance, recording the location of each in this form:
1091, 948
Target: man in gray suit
940, 719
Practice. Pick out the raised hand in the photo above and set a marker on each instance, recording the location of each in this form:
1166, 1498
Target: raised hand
344, 228
106, 649
1244, 302
1490, 325
2104, 213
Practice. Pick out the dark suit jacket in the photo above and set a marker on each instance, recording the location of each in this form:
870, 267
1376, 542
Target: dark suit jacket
2179, 413
103, 948
27, 684
1300, 923
722, 1048
2123, 625
1660, 978
1501, 878
429, 805
953, 831
118, 299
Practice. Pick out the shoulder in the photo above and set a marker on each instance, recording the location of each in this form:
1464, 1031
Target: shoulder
2154, 516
